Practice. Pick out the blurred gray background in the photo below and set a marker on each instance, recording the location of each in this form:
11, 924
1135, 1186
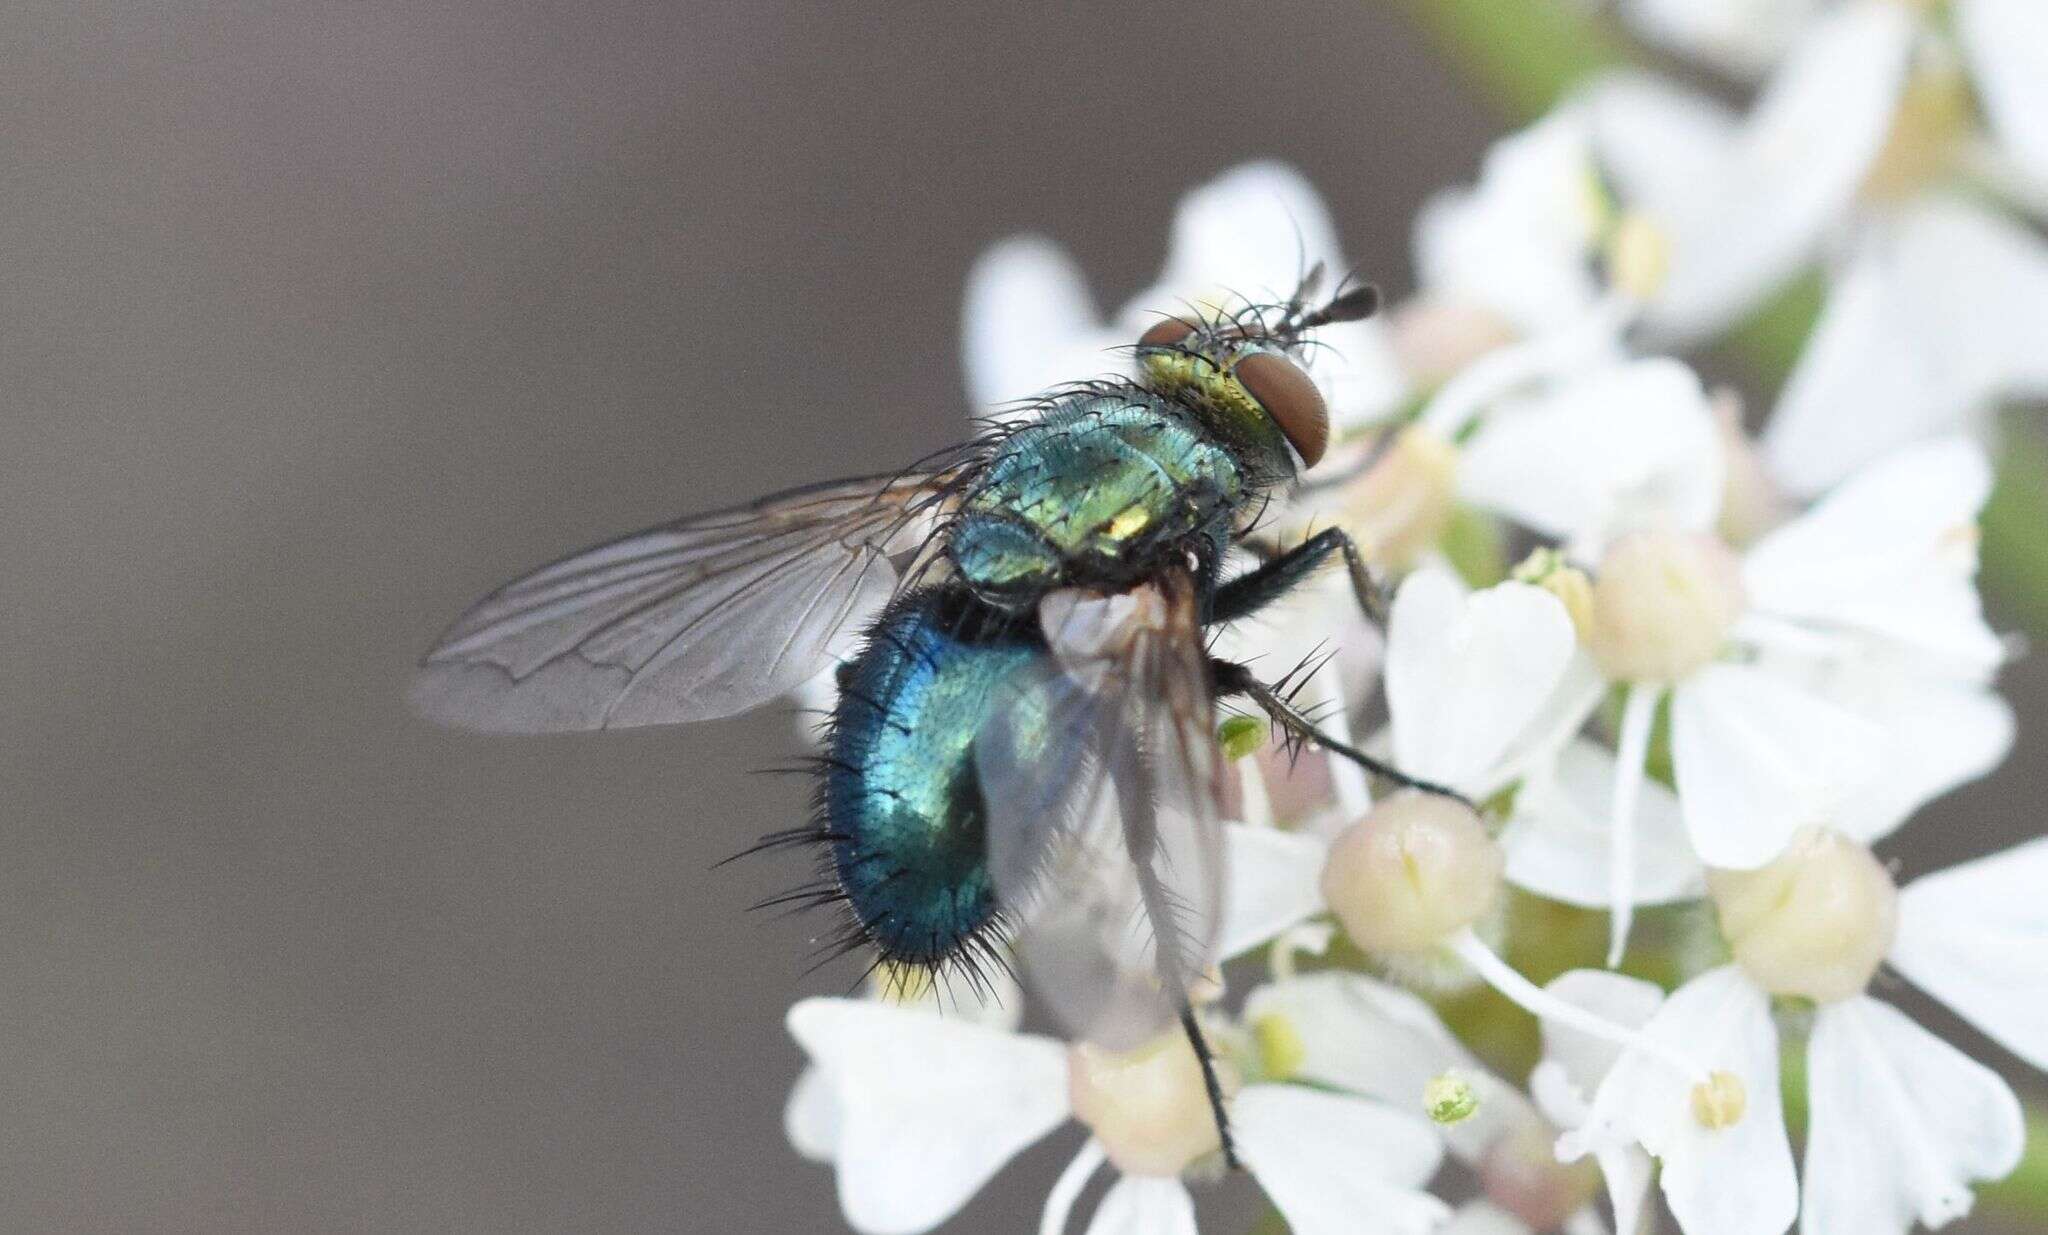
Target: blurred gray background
317, 321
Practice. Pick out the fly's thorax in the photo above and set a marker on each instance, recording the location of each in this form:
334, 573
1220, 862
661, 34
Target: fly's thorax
901, 800
1216, 395
1103, 489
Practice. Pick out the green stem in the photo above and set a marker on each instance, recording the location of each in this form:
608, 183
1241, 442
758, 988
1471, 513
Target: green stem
2015, 523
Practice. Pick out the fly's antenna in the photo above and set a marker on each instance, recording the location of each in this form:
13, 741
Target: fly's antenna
1348, 305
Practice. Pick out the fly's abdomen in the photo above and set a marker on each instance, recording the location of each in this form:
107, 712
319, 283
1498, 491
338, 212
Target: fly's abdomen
1099, 492
902, 804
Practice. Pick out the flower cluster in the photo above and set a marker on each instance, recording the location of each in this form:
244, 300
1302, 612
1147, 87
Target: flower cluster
1718, 671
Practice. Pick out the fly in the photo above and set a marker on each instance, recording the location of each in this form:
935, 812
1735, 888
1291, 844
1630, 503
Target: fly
1023, 750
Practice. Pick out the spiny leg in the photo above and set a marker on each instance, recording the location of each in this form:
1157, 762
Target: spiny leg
1278, 575
1233, 679
1210, 1082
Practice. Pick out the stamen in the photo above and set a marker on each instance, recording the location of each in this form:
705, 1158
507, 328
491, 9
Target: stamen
1502, 977
1059, 1203
1638, 716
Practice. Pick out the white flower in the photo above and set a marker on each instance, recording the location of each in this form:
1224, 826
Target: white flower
1558, 433
1878, 577
1746, 215
812, 1118
1355, 1033
1030, 323
1870, 107
1518, 244
1902, 1122
1732, 1180
933, 1107
1574, 1064
1932, 321
1745, 37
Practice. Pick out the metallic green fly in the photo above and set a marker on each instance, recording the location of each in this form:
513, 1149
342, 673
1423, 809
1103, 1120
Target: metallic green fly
1023, 753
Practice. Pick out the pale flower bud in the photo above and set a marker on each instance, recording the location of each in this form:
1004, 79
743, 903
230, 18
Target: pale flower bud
1148, 1107
1520, 1173
1402, 504
1815, 923
1449, 1099
1411, 873
1663, 605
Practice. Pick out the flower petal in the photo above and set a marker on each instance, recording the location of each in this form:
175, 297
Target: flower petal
1618, 449
2007, 42
1483, 1218
1723, 1021
1625, 1001
1140, 1205
810, 1119
1518, 243
1792, 171
1274, 881
1902, 1123
1939, 734
1467, 676
1743, 37
1757, 756
1367, 1037
1557, 841
1335, 1165
931, 1107
1029, 323
1933, 320
1975, 937
1890, 556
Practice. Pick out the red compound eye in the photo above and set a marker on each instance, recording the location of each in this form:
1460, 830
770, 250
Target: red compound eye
1290, 397
1166, 332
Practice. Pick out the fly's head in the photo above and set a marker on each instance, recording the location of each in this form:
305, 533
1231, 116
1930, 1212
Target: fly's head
1246, 373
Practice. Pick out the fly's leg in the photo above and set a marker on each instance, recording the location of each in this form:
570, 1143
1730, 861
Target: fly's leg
1235, 679
1214, 1086
1276, 576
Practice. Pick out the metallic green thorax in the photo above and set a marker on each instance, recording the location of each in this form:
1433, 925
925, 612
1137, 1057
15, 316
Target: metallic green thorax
1101, 490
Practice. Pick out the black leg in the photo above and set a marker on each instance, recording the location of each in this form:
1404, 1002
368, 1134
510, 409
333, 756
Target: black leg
1210, 1082
1274, 578
1232, 679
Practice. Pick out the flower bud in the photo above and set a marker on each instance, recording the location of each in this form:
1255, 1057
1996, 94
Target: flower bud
1449, 1098
1815, 923
1148, 1107
1663, 605
1520, 1173
1415, 870
1240, 736
1402, 504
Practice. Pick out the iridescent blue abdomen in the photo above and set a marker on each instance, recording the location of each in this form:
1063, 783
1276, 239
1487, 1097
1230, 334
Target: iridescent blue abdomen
902, 804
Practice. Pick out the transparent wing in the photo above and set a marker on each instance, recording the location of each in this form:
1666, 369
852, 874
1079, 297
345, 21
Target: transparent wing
704, 617
1101, 781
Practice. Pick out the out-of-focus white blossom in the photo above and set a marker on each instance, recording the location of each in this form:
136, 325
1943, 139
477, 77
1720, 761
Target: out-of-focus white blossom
933, 1107
1248, 236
